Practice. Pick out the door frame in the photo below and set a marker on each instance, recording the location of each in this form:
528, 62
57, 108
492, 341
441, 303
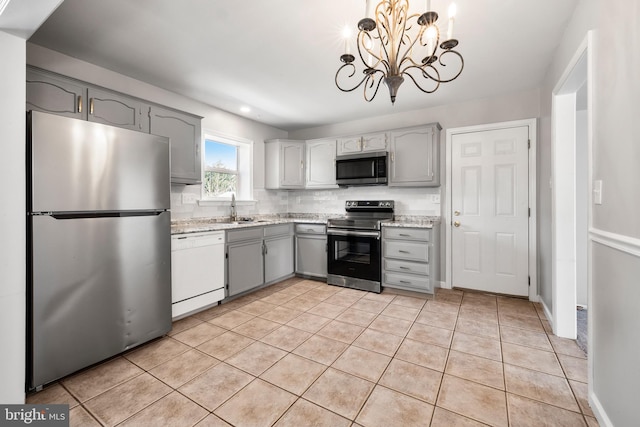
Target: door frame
562, 313
532, 124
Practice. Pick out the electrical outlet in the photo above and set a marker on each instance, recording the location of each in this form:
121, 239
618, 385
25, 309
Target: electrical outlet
189, 198
435, 198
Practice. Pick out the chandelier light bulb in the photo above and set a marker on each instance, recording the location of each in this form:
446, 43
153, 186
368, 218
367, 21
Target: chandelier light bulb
346, 35
453, 9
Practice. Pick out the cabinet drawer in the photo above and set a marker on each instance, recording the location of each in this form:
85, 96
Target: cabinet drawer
405, 281
406, 250
277, 230
311, 229
406, 267
251, 233
423, 234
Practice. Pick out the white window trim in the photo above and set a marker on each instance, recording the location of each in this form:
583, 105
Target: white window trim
247, 175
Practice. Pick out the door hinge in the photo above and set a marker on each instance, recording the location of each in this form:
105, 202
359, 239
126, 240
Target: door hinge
529, 144
529, 212
529, 281
226, 255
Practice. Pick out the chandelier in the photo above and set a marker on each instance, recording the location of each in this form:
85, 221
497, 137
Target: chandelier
393, 45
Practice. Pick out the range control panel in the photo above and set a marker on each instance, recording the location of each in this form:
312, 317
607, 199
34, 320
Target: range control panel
369, 204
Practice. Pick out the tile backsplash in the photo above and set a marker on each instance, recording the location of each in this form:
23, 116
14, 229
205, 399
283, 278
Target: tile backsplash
408, 201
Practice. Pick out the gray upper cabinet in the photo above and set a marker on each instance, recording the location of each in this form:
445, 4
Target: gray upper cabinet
284, 164
414, 156
55, 95
185, 133
358, 144
321, 164
64, 96
112, 109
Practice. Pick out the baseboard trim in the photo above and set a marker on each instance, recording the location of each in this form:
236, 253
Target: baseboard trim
598, 410
547, 313
627, 244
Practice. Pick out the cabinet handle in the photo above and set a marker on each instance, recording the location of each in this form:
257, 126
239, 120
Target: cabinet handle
197, 150
403, 252
405, 235
79, 103
393, 156
91, 106
406, 282
402, 267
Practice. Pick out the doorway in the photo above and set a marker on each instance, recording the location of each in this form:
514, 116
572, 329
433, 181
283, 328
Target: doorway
571, 192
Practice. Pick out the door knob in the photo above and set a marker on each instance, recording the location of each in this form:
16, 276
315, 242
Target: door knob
456, 213
456, 224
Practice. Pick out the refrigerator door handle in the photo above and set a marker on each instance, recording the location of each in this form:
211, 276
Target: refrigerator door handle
105, 214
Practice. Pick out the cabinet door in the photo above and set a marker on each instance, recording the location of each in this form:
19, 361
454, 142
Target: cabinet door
292, 165
311, 255
349, 145
321, 164
56, 96
186, 137
278, 258
374, 142
414, 157
113, 109
244, 267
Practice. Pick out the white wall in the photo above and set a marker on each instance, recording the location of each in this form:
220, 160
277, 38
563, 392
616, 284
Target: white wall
523, 105
615, 347
12, 219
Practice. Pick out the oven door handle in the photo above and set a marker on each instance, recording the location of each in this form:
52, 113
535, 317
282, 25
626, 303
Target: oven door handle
375, 234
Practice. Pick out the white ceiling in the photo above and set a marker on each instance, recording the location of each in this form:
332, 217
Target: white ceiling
279, 57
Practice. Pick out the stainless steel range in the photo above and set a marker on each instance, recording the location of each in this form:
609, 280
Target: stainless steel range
354, 249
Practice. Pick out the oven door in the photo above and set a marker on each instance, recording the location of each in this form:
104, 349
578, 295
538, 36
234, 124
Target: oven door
354, 255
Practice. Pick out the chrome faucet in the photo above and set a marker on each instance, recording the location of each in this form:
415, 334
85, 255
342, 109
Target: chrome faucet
234, 213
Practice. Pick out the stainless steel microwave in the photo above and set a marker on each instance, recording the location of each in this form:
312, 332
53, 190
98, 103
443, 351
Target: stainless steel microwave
362, 169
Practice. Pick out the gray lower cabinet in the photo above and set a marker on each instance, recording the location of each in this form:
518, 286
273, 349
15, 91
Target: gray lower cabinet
112, 109
245, 261
410, 258
258, 256
278, 258
185, 133
54, 95
311, 250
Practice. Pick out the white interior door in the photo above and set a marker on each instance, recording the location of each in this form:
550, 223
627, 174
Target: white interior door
490, 210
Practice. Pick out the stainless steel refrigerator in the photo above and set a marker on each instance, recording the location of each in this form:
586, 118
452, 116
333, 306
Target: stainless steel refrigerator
99, 244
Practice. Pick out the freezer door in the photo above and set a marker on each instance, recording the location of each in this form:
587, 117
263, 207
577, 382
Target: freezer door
81, 166
99, 286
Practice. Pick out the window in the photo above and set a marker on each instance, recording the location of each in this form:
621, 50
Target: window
227, 168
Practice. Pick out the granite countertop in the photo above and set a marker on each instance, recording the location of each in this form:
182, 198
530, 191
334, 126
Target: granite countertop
202, 225
413, 221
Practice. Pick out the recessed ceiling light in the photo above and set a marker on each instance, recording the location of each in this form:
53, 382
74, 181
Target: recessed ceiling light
3, 5
245, 109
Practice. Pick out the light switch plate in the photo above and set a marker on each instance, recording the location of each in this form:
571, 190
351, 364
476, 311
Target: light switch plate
597, 192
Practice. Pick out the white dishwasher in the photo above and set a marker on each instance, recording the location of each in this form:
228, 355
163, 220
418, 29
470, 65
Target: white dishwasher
197, 271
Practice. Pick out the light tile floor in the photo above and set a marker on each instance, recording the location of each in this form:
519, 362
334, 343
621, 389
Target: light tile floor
302, 353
